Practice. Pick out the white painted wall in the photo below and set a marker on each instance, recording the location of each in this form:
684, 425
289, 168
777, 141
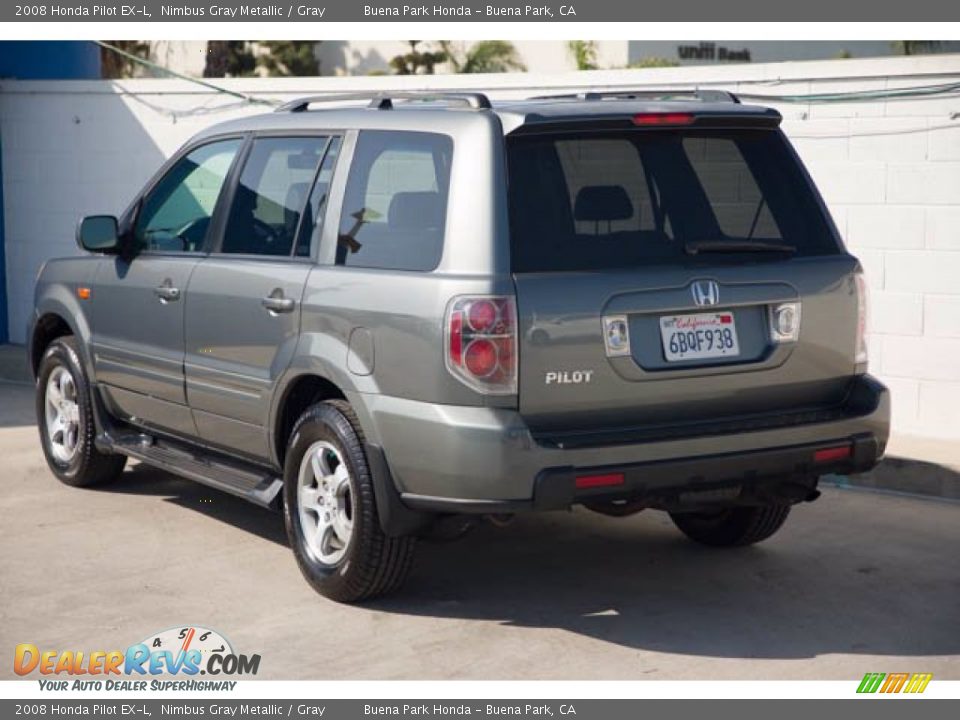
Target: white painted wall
890, 172
361, 57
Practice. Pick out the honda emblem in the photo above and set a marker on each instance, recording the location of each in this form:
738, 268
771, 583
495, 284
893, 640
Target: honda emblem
705, 292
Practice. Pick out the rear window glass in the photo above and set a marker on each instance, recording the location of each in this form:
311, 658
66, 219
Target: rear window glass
610, 200
395, 205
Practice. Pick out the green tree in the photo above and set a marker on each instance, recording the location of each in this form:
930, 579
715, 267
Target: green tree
289, 58
584, 54
229, 58
417, 62
486, 56
113, 65
916, 47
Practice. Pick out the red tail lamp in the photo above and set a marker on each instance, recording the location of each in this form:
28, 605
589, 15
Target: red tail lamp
603, 480
482, 358
831, 454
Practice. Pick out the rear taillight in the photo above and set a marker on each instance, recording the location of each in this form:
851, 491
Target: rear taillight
480, 342
862, 299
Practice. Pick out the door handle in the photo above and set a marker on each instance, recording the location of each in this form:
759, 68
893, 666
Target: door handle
166, 292
275, 302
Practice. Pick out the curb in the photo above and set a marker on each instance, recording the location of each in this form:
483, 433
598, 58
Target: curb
906, 476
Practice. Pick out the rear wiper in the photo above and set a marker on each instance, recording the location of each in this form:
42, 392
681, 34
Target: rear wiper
736, 246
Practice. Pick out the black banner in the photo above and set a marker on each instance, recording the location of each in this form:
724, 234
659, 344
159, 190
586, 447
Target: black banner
487, 11
479, 709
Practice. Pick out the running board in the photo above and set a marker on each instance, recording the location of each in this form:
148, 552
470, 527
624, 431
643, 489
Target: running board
231, 476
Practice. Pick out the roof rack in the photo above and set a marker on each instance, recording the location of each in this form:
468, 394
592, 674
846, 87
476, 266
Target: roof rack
384, 100
648, 94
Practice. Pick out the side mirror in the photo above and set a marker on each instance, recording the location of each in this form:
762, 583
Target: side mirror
99, 233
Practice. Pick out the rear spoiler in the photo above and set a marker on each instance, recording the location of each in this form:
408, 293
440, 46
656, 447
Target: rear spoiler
686, 118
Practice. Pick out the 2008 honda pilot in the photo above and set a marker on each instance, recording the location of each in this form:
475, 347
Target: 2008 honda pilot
391, 314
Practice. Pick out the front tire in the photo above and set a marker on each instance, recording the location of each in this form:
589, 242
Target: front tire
65, 418
330, 510
732, 527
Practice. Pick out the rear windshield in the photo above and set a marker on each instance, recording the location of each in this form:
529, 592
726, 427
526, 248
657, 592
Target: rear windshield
642, 197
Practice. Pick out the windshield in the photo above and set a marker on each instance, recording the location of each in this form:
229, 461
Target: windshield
596, 201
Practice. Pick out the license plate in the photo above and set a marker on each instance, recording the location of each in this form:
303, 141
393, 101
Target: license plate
698, 337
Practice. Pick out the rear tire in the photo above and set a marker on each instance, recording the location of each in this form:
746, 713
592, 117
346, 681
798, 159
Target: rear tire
732, 527
330, 509
65, 418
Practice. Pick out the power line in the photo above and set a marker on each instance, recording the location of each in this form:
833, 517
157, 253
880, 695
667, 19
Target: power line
180, 76
860, 95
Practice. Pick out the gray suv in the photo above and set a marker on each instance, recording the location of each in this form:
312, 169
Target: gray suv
395, 315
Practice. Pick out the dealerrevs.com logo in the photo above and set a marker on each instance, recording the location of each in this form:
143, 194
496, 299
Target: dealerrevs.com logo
181, 651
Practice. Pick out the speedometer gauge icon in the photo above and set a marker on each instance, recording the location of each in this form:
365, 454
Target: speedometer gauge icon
190, 637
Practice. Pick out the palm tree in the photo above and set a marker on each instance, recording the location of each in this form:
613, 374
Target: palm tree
285, 58
114, 64
417, 62
584, 54
916, 47
229, 58
486, 56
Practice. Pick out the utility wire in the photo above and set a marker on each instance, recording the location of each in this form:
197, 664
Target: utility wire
180, 76
859, 95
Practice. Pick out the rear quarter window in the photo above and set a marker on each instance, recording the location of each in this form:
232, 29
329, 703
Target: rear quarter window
614, 199
395, 206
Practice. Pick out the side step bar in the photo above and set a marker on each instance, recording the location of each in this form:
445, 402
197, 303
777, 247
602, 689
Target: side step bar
246, 481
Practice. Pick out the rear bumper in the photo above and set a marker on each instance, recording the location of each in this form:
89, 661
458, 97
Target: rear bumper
782, 474
485, 460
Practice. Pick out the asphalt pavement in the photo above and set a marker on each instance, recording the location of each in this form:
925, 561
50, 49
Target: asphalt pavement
856, 582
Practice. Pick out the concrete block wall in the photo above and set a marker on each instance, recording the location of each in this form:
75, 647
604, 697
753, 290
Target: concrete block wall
888, 169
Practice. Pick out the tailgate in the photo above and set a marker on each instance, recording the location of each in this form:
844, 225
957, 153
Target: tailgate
651, 264
570, 379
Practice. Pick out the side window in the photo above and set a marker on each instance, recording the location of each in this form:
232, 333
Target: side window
312, 224
175, 214
271, 195
395, 207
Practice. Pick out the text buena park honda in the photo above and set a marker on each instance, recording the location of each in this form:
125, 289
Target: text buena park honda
288, 11
490, 709
275, 709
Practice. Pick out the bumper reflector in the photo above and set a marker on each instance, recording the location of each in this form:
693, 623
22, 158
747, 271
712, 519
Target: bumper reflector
595, 481
831, 454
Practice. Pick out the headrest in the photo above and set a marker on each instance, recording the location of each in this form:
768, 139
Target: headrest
602, 203
415, 211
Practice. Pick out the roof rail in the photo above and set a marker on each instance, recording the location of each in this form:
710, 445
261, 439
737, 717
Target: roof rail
703, 95
384, 100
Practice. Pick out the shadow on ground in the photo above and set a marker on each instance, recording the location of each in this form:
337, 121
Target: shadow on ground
638, 583
821, 587
142, 479
854, 573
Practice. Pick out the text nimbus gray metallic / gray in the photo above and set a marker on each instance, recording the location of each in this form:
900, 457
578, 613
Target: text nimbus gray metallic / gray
489, 10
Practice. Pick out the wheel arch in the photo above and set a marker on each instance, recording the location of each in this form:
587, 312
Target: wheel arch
297, 394
54, 321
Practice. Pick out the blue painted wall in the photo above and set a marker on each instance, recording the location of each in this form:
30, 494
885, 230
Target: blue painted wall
39, 60
49, 60
4, 330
